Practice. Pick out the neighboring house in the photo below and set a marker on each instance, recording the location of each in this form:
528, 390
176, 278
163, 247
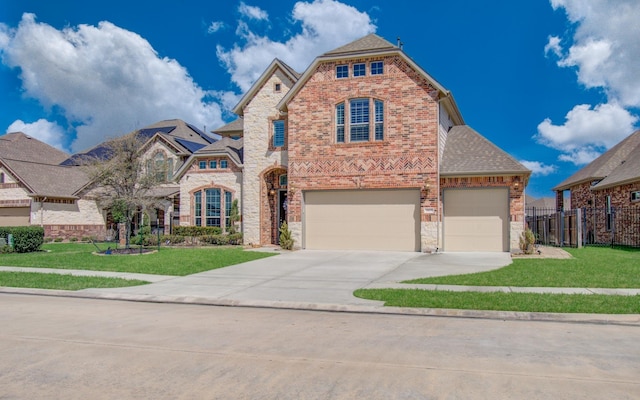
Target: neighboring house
40, 185
365, 150
540, 206
608, 192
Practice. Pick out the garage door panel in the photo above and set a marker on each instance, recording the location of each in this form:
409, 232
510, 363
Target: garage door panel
15, 216
363, 220
476, 220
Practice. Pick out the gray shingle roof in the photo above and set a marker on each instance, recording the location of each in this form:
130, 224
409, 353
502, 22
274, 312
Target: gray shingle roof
235, 126
18, 146
48, 180
466, 152
619, 164
371, 42
233, 148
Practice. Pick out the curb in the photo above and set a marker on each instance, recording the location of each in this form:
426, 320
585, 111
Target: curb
598, 319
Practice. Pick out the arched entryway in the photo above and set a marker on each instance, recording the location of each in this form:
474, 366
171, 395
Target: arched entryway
273, 196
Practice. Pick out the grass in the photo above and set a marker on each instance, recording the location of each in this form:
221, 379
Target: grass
167, 261
591, 267
529, 302
36, 280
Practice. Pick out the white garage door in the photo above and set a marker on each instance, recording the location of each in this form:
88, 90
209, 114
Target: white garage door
14, 216
362, 220
476, 220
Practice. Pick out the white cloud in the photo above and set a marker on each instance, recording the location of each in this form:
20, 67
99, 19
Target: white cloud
538, 168
105, 79
252, 12
553, 45
587, 131
215, 26
326, 24
43, 130
604, 49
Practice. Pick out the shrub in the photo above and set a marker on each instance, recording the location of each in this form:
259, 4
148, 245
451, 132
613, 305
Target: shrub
26, 239
6, 249
195, 231
73, 239
286, 242
58, 240
527, 241
235, 238
172, 239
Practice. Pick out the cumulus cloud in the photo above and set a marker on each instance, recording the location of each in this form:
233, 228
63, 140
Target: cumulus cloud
326, 24
43, 130
104, 79
604, 50
538, 168
252, 12
587, 131
215, 26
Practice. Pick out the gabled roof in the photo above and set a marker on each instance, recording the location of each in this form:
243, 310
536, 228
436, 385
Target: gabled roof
18, 146
618, 165
46, 179
232, 127
466, 152
275, 64
372, 45
225, 147
369, 43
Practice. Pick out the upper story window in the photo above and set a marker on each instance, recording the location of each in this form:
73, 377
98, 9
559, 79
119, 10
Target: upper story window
1, 177
213, 164
359, 69
340, 123
160, 167
359, 120
223, 164
342, 71
359, 123
278, 133
202, 165
377, 68
277, 87
635, 196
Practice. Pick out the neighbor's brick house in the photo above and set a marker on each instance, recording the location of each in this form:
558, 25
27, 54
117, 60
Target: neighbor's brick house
608, 184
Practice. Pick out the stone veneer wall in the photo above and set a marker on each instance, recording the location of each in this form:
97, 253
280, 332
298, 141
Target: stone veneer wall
259, 156
194, 179
406, 158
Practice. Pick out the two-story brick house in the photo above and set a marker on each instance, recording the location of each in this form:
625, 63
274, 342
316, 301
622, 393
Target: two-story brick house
365, 150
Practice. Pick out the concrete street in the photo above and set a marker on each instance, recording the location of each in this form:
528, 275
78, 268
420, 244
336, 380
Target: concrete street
74, 348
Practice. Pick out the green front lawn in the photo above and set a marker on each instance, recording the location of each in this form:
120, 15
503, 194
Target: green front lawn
36, 280
591, 267
167, 261
526, 302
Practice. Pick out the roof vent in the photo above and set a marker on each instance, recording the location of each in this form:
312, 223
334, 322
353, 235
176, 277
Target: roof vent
400, 44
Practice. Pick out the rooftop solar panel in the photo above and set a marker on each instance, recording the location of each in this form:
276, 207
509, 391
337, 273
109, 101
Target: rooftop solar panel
149, 132
191, 146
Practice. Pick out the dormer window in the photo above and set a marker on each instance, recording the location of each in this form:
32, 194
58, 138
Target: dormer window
277, 87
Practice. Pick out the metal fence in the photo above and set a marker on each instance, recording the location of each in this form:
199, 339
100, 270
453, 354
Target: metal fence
616, 226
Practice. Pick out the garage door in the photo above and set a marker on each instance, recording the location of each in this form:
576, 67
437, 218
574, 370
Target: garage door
476, 220
362, 220
14, 216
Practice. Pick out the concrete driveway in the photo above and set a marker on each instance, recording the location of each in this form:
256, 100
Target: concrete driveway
313, 276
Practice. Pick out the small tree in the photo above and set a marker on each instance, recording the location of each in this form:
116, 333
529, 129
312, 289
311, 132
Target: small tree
120, 180
527, 241
286, 242
234, 217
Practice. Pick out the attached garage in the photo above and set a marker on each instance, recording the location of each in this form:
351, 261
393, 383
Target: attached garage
362, 220
476, 219
14, 216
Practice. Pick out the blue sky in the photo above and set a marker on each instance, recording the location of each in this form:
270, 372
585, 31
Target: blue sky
553, 83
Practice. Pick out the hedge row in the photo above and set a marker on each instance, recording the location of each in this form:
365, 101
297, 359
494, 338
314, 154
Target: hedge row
195, 231
25, 238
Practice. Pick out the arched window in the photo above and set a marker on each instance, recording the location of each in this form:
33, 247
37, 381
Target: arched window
161, 167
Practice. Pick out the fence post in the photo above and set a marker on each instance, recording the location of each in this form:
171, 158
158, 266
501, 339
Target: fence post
579, 228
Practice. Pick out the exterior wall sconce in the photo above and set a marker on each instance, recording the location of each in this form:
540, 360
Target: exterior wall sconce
516, 183
272, 191
427, 186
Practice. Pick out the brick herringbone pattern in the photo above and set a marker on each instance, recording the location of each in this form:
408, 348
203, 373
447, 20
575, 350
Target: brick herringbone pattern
359, 166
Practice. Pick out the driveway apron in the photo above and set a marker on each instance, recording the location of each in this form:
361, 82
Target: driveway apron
315, 276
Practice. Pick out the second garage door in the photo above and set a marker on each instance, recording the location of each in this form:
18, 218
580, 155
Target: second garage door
14, 216
476, 220
362, 220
